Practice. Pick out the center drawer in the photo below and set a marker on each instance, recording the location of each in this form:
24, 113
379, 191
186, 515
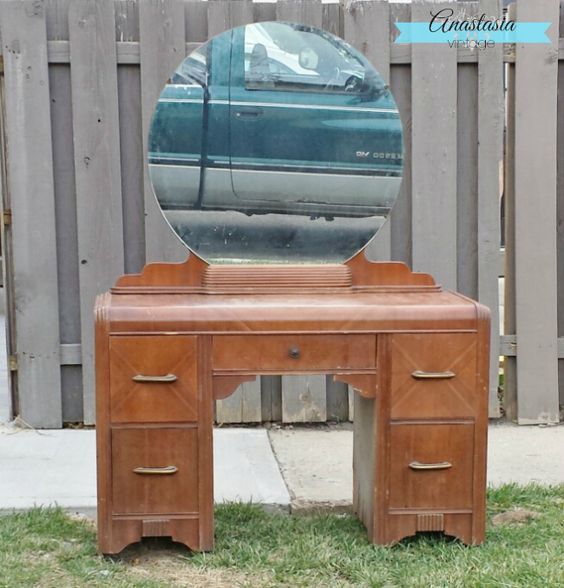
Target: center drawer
293, 352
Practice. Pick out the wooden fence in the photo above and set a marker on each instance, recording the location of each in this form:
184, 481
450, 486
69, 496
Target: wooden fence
80, 81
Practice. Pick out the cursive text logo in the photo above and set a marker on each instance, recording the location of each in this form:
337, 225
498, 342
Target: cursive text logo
443, 21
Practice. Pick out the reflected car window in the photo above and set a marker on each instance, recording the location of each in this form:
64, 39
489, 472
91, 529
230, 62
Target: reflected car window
292, 59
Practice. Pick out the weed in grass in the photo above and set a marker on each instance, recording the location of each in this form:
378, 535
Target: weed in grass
255, 548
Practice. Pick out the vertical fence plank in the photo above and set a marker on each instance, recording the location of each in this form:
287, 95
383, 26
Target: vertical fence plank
560, 213
351, 394
163, 47
31, 193
264, 11
56, 18
490, 160
244, 406
535, 218
367, 27
196, 23
131, 142
227, 14
510, 362
400, 82
434, 96
97, 166
127, 20
309, 13
337, 400
66, 234
466, 170
271, 398
332, 19
304, 399
467, 180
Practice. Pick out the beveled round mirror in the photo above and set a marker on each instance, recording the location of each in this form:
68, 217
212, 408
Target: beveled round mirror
276, 143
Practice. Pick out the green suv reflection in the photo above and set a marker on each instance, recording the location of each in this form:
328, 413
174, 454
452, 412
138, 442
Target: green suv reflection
277, 118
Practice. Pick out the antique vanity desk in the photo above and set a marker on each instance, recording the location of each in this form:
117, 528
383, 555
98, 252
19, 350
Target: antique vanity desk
295, 169
178, 336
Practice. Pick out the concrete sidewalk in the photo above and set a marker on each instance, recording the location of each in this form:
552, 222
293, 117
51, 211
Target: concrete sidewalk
309, 467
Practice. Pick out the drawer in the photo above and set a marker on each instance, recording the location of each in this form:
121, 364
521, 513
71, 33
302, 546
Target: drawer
168, 479
153, 378
293, 352
431, 466
434, 375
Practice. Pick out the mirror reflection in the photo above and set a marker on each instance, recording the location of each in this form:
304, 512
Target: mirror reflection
276, 142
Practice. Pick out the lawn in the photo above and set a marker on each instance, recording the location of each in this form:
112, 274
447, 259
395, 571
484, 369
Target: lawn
525, 547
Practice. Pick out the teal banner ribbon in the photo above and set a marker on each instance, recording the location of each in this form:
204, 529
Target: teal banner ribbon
525, 32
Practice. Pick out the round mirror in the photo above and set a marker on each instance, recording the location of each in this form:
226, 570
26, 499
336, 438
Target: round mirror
276, 143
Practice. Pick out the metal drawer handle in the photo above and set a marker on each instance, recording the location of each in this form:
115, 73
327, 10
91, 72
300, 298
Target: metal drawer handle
417, 465
161, 379
166, 471
421, 375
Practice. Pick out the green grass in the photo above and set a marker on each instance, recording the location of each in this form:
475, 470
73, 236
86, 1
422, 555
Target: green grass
255, 548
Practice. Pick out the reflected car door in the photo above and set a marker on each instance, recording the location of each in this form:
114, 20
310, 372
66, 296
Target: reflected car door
175, 141
304, 143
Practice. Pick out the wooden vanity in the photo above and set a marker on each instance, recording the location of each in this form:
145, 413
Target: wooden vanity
175, 338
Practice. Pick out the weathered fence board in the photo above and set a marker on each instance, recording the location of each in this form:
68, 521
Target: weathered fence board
162, 48
535, 226
67, 234
310, 13
490, 151
433, 167
400, 83
242, 407
131, 142
510, 361
337, 400
97, 166
467, 181
227, 14
271, 398
445, 221
303, 399
31, 191
367, 27
560, 216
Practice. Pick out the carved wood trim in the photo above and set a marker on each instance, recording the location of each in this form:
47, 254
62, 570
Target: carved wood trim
365, 384
227, 278
197, 276
224, 386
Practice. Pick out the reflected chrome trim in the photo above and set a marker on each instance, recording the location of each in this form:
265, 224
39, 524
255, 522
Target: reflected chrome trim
285, 105
187, 100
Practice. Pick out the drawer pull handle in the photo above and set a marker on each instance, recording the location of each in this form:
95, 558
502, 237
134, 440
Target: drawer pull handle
294, 352
417, 465
421, 375
158, 379
166, 471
